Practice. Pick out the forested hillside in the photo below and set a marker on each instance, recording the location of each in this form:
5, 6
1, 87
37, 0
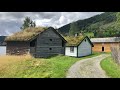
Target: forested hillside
104, 25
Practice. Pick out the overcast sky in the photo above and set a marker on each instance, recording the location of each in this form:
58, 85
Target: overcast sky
10, 22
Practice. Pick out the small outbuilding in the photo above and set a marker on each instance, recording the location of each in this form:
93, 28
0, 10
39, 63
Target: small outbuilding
78, 46
104, 44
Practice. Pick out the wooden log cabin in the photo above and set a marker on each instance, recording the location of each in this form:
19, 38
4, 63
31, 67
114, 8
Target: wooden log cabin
39, 42
104, 44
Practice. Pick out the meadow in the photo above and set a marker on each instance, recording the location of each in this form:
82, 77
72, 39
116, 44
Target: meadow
29, 67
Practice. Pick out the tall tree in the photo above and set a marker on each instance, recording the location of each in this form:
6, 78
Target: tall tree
28, 23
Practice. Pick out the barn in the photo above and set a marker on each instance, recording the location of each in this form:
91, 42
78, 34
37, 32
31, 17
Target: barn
78, 46
104, 44
39, 42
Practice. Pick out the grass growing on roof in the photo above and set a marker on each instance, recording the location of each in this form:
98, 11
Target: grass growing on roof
26, 34
73, 41
53, 67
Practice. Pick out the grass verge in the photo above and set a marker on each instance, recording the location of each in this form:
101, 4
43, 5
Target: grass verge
111, 68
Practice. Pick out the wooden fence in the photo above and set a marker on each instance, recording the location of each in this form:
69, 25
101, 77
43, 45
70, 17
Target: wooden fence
115, 50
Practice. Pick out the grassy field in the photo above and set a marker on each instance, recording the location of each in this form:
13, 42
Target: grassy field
28, 67
111, 68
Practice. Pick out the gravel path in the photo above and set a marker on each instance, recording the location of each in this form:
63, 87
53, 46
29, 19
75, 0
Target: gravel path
88, 68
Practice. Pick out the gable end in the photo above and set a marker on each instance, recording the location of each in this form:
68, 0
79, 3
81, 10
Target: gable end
88, 40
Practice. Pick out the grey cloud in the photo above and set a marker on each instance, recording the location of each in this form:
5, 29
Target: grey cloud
19, 15
7, 28
10, 22
49, 15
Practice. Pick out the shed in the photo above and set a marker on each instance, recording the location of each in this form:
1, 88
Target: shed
78, 46
104, 44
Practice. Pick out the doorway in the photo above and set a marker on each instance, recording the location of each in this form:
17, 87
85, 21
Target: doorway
102, 49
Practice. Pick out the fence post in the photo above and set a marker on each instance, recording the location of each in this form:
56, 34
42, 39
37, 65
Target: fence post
119, 53
115, 51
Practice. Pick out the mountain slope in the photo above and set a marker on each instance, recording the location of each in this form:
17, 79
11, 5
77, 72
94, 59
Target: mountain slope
102, 25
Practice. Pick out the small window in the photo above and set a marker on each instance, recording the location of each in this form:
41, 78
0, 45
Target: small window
63, 44
50, 48
71, 49
50, 39
33, 43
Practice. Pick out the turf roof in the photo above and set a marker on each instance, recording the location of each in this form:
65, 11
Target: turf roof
73, 41
26, 35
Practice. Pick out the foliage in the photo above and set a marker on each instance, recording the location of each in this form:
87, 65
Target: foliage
73, 28
111, 68
53, 67
89, 34
104, 25
28, 23
118, 17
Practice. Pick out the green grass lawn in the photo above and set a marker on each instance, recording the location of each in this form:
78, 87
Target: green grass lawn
53, 67
111, 68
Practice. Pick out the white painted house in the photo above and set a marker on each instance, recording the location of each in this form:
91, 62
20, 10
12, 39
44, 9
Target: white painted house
78, 46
